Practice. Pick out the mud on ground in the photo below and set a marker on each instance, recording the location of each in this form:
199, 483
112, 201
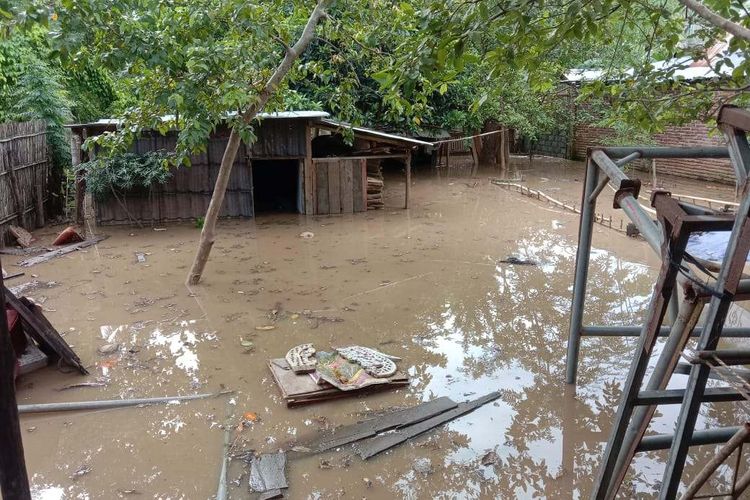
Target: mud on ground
424, 284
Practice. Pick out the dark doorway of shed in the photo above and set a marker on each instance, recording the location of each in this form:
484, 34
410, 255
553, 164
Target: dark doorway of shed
277, 186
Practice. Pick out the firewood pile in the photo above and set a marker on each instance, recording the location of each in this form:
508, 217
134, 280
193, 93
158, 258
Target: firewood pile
374, 185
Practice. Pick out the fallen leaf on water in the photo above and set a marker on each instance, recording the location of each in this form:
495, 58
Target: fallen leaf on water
265, 327
250, 416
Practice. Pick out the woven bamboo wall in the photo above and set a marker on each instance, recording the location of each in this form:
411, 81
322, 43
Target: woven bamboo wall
187, 193
24, 173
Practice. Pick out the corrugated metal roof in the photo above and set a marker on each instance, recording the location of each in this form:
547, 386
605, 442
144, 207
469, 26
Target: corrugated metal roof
275, 115
376, 134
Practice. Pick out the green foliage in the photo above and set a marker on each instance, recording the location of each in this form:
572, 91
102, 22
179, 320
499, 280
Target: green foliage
126, 172
199, 222
33, 89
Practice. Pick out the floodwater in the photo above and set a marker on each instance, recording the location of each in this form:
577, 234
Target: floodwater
423, 284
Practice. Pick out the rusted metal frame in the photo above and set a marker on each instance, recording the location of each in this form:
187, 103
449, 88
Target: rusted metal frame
634, 331
673, 248
687, 317
709, 436
727, 356
605, 180
674, 396
727, 282
713, 464
666, 152
583, 253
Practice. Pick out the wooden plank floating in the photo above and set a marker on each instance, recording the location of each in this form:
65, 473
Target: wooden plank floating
368, 428
38, 259
299, 389
384, 442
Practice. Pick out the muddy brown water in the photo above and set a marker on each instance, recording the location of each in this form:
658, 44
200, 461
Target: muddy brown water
424, 284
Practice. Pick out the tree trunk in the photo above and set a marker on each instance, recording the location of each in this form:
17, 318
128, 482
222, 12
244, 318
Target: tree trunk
208, 234
717, 20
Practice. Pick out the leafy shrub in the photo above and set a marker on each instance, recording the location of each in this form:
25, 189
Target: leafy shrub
125, 172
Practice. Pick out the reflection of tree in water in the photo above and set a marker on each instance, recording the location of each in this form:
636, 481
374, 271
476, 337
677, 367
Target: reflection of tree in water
521, 324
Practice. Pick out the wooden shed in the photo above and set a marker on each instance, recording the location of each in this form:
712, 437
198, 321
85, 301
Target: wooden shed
299, 163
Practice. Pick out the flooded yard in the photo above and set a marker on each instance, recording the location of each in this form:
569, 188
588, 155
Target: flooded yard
424, 284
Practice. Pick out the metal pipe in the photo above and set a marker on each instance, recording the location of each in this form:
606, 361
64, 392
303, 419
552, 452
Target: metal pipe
642, 220
627, 159
667, 152
708, 436
635, 331
741, 484
713, 464
108, 403
668, 359
585, 231
599, 187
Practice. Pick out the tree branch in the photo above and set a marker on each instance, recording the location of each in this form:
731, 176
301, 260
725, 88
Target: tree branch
717, 20
208, 234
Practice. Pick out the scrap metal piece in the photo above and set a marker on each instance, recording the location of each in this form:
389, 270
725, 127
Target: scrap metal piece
301, 358
374, 362
268, 472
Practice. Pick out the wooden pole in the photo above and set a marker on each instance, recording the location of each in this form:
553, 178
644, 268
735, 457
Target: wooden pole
408, 179
75, 157
208, 234
14, 482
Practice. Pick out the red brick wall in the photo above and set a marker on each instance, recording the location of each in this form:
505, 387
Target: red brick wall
693, 134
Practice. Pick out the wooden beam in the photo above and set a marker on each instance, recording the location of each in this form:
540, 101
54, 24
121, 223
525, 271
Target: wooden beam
40, 329
14, 481
371, 157
309, 169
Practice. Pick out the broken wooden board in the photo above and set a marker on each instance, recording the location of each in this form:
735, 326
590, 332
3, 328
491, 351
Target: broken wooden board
368, 428
22, 236
299, 389
268, 472
38, 259
41, 330
379, 444
22, 251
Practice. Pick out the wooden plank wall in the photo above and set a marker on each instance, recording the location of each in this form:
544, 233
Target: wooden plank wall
280, 138
340, 185
24, 175
187, 193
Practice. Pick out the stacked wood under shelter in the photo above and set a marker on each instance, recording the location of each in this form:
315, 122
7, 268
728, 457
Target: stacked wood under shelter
375, 183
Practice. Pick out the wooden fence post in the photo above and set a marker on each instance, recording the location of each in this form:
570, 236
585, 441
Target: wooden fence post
14, 482
14, 190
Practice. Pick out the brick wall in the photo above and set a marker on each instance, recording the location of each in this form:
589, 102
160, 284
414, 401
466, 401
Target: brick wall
692, 134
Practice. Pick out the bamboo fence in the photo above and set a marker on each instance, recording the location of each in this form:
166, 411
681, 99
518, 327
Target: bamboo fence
24, 173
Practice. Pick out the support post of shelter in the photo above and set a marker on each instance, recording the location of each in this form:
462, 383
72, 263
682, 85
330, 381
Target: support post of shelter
585, 229
80, 183
14, 481
408, 179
